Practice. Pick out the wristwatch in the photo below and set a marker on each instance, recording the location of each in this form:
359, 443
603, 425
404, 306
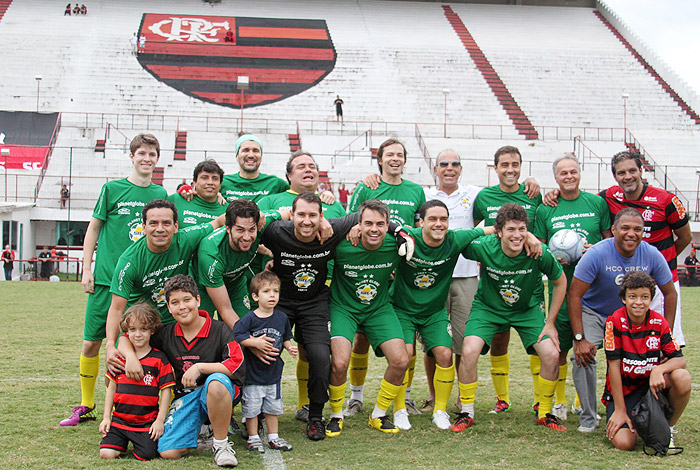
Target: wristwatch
578, 336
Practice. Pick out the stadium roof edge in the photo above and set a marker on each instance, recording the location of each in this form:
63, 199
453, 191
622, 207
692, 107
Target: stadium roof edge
529, 3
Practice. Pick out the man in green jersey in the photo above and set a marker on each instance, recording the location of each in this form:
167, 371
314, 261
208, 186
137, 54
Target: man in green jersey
143, 269
404, 198
511, 294
360, 298
116, 223
588, 215
249, 183
507, 165
204, 205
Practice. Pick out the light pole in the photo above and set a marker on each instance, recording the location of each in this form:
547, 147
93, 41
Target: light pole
445, 92
624, 112
243, 84
38, 85
5, 153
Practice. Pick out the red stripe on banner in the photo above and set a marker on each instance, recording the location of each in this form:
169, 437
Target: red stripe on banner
235, 98
232, 74
281, 33
23, 158
228, 50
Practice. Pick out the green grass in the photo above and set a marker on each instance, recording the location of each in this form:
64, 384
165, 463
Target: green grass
40, 337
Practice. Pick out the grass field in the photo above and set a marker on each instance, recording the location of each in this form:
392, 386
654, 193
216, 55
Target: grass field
40, 335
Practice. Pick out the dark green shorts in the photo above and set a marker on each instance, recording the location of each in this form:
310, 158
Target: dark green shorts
566, 334
379, 325
485, 323
435, 329
238, 295
96, 314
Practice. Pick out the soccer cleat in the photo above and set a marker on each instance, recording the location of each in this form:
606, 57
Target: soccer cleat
501, 406
78, 415
280, 444
462, 422
441, 419
382, 424
256, 445
225, 456
427, 405
302, 414
354, 407
315, 429
577, 410
560, 410
334, 427
552, 422
401, 420
412, 408
536, 409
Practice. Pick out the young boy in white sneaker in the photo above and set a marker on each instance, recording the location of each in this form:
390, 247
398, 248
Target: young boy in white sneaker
138, 416
264, 328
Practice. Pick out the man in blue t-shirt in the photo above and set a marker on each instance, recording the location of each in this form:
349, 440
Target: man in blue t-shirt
593, 296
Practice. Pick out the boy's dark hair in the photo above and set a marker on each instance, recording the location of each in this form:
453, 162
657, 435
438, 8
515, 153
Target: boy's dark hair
510, 211
309, 197
142, 312
385, 144
376, 205
262, 278
181, 282
159, 204
625, 155
208, 166
243, 208
432, 203
628, 211
506, 149
296, 154
637, 280
144, 139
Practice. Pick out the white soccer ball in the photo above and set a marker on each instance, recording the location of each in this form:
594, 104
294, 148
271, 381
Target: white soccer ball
566, 245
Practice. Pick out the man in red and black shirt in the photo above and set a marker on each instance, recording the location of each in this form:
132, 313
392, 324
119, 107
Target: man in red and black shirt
665, 219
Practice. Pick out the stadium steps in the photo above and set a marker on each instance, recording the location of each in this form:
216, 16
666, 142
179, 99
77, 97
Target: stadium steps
180, 146
100, 145
158, 175
294, 142
505, 98
672, 93
4, 5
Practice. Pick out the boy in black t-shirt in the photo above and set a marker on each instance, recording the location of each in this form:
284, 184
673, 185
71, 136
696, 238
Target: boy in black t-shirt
206, 359
262, 391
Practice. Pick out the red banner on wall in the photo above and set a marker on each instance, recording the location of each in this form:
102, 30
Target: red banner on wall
23, 158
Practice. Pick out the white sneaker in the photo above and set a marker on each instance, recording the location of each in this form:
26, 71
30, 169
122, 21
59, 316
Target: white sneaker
560, 411
577, 410
225, 456
441, 419
586, 429
401, 420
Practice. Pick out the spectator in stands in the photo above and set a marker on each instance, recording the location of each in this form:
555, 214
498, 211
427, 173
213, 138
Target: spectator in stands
8, 259
46, 264
83, 9
67, 12
65, 195
690, 260
133, 40
338, 109
142, 43
76, 9
229, 36
343, 196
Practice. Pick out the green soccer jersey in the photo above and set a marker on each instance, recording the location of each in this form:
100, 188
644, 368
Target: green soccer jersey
235, 187
282, 201
140, 274
404, 200
490, 199
195, 212
422, 284
119, 208
508, 284
361, 276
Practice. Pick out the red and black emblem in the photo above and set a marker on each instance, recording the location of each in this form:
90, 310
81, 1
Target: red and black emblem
203, 56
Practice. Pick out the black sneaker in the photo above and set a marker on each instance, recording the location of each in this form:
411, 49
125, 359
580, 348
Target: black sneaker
334, 427
315, 429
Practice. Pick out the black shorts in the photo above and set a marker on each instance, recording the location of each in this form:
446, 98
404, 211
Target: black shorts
118, 439
631, 401
309, 318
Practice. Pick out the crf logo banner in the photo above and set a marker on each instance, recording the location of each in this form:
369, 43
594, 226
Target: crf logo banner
203, 56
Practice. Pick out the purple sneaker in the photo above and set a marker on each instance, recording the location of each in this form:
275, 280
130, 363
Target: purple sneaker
79, 414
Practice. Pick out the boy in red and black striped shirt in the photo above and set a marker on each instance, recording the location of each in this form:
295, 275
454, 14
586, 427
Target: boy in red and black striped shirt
641, 354
138, 417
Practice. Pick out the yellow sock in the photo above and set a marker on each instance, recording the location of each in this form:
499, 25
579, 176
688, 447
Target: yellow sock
561, 384
336, 395
302, 383
547, 395
535, 365
577, 401
400, 397
358, 368
500, 370
467, 393
443, 381
388, 392
411, 372
89, 368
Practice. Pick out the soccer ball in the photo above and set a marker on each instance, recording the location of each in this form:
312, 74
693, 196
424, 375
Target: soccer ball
566, 245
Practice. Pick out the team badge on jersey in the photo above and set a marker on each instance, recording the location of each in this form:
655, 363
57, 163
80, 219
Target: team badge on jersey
204, 56
465, 202
148, 379
366, 292
449, 329
158, 295
246, 301
303, 279
509, 292
136, 230
424, 279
